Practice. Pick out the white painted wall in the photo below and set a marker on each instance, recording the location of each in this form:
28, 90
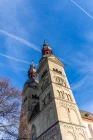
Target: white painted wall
86, 125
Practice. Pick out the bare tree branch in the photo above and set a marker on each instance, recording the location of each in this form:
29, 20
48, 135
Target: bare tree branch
10, 101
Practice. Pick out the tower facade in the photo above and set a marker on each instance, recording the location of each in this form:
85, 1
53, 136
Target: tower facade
51, 109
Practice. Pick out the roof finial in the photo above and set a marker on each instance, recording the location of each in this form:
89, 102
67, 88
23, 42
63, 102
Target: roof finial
45, 41
45, 44
32, 61
32, 70
46, 51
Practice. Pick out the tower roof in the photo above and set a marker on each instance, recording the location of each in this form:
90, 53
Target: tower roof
32, 71
32, 68
31, 74
47, 50
45, 43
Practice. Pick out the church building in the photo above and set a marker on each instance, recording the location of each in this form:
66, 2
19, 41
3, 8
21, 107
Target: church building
49, 110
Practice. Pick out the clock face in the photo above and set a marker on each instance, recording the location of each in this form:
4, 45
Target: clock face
60, 81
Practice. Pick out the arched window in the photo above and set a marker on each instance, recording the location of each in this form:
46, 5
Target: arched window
65, 95
69, 97
69, 136
44, 73
64, 114
46, 52
44, 122
34, 135
81, 137
51, 116
60, 93
74, 117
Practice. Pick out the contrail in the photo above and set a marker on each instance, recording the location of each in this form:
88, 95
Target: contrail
82, 9
9, 66
12, 58
20, 40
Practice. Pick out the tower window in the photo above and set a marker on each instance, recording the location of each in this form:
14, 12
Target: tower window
25, 99
44, 73
43, 102
35, 97
34, 135
53, 69
69, 97
58, 71
49, 96
86, 115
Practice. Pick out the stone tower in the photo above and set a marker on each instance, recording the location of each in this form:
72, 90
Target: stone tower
30, 104
53, 113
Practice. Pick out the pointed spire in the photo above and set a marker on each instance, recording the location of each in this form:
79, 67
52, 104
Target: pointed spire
32, 66
45, 44
46, 49
32, 71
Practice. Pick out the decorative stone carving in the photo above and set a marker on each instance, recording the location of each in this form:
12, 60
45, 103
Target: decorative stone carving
64, 95
74, 117
80, 137
71, 106
68, 127
66, 104
45, 84
62, 103
64, 114
60, 81
69, 136
56, 70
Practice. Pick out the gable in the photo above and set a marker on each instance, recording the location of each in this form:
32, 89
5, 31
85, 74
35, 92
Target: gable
55, 60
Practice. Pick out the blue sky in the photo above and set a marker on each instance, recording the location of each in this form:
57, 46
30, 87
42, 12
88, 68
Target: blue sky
67, 26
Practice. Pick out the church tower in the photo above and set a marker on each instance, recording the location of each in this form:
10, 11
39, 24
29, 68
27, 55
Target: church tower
30, 104
53, 114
